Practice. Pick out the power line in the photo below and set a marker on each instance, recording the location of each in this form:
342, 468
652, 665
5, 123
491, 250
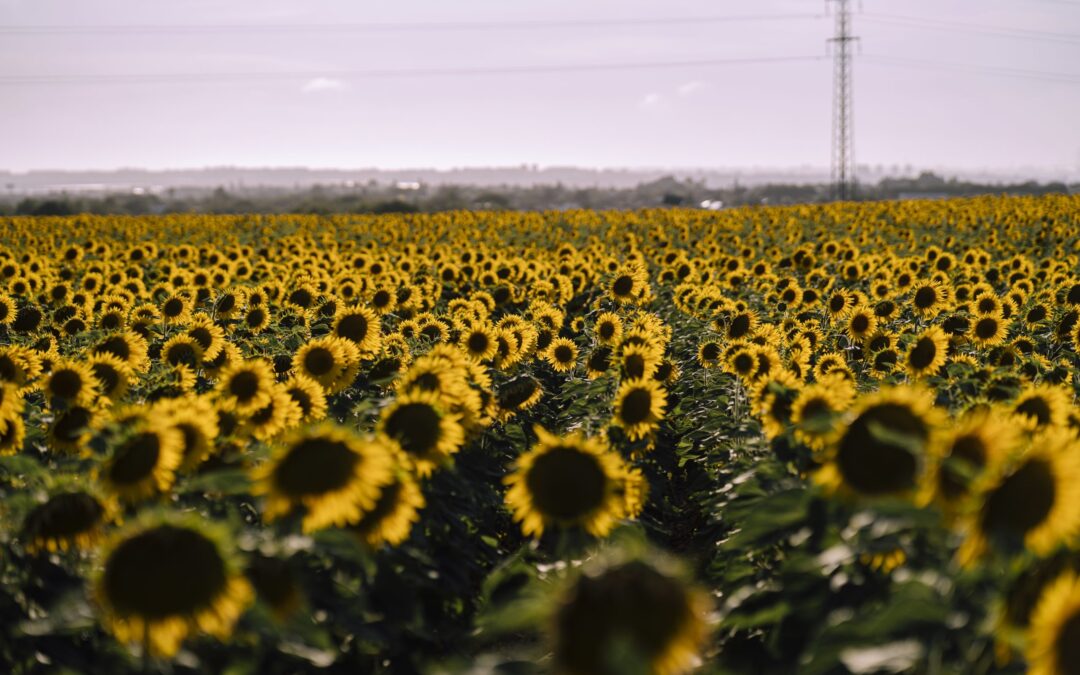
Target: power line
395, 27
843, 128
1045, 76
972, 28
183, 78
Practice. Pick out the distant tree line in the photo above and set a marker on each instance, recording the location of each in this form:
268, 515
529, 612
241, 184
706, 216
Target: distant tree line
381, 198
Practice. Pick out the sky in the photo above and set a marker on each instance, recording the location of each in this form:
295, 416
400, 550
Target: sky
969, 84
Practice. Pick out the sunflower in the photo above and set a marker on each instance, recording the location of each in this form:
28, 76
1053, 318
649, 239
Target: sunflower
518, 394
244, 386
638, 362
861, 323
69, 520
478, 341
324, 360
176, 309
196, 420
562, 355
1043, 405
70, 383
281, 413
113, 375
361, 326
930, 298
817, 409
628, 283
127, 346
631, 612
1053, 638
11, 401
208, 335
182, 350
639, 407
256, 318
327, 472
142, 461
989, 329
980, 437
69, 429
608, 328
163, 579
1029, 499
927, 353
308, 396
709, 353
395, 512
571, 481
416, 424
880, 451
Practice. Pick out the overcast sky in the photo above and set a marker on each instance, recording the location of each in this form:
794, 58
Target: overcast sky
928, 112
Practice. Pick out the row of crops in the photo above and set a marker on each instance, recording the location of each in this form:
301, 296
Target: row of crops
828, 439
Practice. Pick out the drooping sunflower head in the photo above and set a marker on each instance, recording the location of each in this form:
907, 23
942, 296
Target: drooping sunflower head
632, 611
520, 393
881, 450
326, 472
418, 426
67, 520
639, 407
163, 579
566, 482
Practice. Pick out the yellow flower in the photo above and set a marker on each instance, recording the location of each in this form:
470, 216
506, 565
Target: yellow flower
568, 481
162, 580
326, 471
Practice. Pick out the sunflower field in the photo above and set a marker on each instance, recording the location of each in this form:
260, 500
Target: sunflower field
813, 439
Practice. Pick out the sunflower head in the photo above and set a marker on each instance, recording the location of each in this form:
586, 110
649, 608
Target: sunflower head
630, 612
639, 407
568, 481
326, 472
417, 425
163, 579
1026, 500
880, 451
245, 386
66, 520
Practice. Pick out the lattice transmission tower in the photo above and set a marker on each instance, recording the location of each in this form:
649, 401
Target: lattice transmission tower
843, 146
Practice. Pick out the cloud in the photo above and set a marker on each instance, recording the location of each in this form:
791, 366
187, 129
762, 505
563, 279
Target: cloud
320, 84
691, 88
650, 100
